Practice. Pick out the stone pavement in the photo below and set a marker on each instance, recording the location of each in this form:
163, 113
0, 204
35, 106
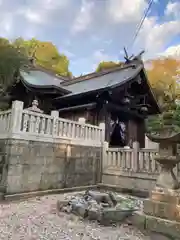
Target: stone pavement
38, 219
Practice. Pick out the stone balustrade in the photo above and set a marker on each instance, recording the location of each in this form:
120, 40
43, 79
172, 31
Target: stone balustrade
120, 158
124, 159
34, 125
37, 123
146, 162
130, 168
5, 121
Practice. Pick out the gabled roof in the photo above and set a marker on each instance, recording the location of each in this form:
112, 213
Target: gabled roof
39, 79
104, 80
35, 78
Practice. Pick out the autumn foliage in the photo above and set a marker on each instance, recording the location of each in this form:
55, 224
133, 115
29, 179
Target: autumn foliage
45, 54
163, 75
107, 65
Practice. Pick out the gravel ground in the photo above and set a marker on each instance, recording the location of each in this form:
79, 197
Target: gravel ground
38, 218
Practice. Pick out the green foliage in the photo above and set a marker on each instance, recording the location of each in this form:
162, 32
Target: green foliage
45, 54
168, 119
107, 65
15, 56
11, 60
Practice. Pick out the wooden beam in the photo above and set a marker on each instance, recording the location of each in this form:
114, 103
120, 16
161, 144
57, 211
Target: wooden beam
78, 107
115, 107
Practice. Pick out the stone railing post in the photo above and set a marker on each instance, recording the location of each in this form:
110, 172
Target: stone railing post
82, 121
135, 156
16, 116
103, 160
55, 115
102, 126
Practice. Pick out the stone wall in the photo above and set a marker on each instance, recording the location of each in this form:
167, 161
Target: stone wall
129, 182
34, 165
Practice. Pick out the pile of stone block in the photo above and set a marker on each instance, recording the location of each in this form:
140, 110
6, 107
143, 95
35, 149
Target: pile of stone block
104, 207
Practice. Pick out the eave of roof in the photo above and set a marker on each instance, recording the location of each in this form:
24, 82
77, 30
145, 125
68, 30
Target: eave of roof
107, 86
152, 93
49, 72
47, 86
96, 74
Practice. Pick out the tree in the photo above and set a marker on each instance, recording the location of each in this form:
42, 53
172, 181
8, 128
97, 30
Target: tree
45, 55
11, 60
107, 65
168, 120
163, 75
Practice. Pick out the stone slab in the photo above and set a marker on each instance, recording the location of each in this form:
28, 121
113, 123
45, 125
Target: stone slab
150, 224
165, 227
110, 215
162, 209
172, 198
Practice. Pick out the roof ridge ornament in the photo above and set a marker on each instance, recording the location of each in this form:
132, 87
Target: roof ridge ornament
132, 57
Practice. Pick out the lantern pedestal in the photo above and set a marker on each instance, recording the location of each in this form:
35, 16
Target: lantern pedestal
164, 201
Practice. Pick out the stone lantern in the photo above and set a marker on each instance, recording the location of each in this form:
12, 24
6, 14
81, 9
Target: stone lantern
164, 201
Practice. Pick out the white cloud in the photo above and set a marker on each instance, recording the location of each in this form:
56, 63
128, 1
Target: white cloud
126, 10
99, 56
6, 25
54, 4
172, 51
39, 11
154, 36
108, 24
173, 9
66, 52
31, 15
84, 17
108, 42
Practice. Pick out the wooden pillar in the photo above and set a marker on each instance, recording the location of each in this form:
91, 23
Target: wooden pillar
105, 117
131, 132
141, 133
136, 132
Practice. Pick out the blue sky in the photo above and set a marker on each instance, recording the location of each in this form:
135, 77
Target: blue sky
89, 31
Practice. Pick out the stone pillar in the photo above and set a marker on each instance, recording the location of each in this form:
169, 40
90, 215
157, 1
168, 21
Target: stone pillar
55, 115
82, 120
135, 156
16, 116
102, 162
102, 126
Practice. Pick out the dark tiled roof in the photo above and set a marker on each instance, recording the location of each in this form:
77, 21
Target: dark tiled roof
95, 74
102, 81
40, 78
